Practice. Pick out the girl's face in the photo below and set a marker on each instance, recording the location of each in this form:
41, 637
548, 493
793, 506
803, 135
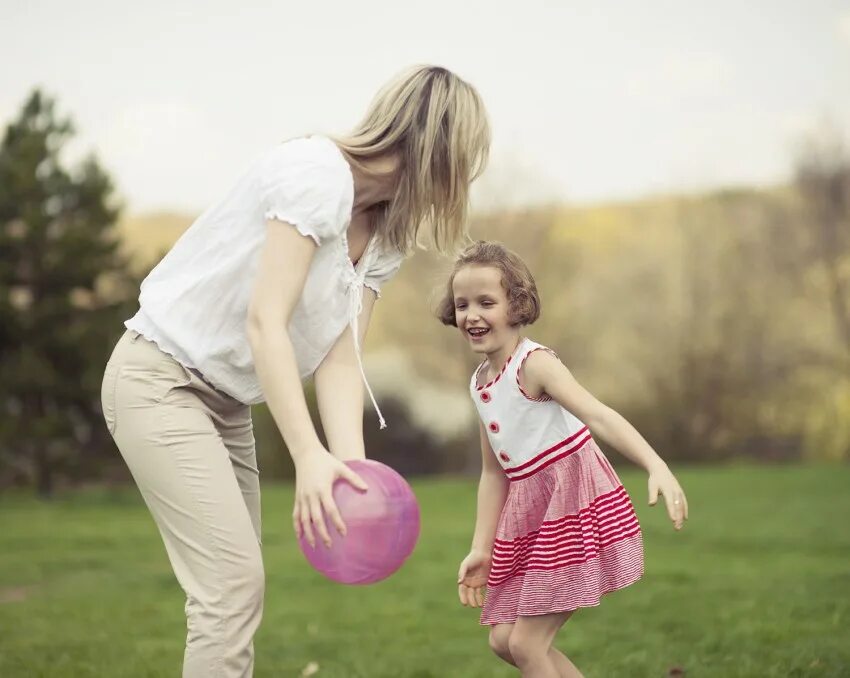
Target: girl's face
482, 308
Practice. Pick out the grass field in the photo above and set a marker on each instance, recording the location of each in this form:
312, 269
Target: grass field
757, 585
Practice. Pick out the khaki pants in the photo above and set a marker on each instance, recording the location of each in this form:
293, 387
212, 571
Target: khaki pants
191, 451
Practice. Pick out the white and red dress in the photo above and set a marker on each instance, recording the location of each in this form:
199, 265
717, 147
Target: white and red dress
568, 532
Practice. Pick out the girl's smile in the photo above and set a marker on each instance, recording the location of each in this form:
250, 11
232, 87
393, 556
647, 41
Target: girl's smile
482, 311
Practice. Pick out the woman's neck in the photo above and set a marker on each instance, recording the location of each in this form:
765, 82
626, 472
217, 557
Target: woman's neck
374, 181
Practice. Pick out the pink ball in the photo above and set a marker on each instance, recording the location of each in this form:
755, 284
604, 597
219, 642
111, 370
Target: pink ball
382, 524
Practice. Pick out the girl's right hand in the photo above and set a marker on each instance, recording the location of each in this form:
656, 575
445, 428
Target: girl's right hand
315, 473
472, 578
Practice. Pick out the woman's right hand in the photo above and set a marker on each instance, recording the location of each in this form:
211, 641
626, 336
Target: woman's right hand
472, 578
315, 474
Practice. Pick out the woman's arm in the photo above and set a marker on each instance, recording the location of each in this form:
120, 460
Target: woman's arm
284, 262
339, 389
544, 373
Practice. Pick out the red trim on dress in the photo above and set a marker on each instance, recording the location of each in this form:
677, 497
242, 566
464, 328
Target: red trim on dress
543, 398
575, 448
573, 444
495, 379
554, 447
504, 367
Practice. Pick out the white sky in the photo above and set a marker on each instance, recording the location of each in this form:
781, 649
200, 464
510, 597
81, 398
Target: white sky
588, 100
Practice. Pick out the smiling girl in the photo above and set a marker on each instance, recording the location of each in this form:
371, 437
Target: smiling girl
555, 528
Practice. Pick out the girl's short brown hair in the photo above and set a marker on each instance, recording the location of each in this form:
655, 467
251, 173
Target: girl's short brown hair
517, 281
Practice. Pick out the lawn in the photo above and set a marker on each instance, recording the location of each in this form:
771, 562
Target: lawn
757, 585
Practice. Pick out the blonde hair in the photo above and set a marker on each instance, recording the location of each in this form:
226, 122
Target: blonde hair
436, 123
517, 281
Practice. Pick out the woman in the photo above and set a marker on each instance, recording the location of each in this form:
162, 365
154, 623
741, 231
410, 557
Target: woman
271, 285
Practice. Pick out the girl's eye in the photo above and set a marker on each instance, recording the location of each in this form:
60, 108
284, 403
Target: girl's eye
460, 307
486, 303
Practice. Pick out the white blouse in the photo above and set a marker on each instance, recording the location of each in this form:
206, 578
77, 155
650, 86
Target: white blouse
194, 304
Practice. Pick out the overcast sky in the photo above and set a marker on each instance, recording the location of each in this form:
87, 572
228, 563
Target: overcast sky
588, 101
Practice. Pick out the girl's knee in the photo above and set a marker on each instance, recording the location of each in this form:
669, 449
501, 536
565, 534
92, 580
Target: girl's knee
525, 648
500, 642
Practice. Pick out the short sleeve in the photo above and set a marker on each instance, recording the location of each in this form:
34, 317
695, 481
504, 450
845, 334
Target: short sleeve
307, 183
384, 268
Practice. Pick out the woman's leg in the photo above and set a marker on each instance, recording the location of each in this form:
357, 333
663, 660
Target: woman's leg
530, 646
178, 459
237, 433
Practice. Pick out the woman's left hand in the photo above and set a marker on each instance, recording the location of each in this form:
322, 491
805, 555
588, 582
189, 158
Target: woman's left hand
662, 480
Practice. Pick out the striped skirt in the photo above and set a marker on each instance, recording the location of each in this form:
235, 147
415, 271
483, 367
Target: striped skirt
567, 535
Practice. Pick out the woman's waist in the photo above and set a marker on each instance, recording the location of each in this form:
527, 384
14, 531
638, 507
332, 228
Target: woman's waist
223, 360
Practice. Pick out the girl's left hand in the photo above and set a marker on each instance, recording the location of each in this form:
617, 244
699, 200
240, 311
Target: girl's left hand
662, 480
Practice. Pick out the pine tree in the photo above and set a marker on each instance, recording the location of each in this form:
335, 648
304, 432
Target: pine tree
65, 286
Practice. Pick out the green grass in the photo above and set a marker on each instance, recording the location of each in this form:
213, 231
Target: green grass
758, 584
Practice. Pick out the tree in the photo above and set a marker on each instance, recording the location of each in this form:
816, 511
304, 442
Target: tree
823, 181
64, 289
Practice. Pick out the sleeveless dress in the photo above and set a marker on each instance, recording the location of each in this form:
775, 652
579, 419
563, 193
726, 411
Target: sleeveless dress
568, 532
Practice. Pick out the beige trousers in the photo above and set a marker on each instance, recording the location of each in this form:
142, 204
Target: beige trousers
191, 451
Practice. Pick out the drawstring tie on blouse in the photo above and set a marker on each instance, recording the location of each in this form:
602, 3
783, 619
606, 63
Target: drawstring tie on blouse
355, 307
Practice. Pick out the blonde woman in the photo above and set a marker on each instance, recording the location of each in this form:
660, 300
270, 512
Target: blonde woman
275, 283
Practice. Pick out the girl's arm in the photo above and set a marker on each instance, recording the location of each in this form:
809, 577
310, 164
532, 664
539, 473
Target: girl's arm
284, 262
492, 491
544, 373
339, 389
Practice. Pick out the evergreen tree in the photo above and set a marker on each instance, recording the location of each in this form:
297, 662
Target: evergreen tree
65, 286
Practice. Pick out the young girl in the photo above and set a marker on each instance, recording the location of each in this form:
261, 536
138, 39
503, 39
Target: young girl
555, 528
273, 284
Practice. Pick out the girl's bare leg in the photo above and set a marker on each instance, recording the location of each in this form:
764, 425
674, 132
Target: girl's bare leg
530, 647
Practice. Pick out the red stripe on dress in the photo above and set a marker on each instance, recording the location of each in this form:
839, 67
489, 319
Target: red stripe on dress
563, 548
506, 612
562, 560
497, 578
537, 565
599, 518
579, 536
625, 521
531, 592
556, 446
573, 527
548, 565
567, 556
593, 527
603, 500
575, 448
620, 564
